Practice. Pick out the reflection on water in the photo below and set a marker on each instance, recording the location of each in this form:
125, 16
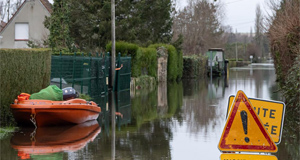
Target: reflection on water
31, 142
174, 121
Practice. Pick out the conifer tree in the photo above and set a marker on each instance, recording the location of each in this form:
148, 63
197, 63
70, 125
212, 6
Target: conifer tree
58, 25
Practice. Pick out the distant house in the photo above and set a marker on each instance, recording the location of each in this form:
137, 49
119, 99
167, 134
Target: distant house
27, 24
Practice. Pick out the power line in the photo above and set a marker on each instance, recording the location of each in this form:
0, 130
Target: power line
233, 2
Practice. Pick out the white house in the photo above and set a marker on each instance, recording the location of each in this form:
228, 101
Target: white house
27, 24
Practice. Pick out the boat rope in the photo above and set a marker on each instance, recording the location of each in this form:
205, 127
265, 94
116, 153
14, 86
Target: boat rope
32, 119
32, 136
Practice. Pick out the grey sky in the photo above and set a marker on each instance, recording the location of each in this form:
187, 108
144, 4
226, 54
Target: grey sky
240, 14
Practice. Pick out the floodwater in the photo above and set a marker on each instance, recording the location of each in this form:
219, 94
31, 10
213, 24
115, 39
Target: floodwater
175, 121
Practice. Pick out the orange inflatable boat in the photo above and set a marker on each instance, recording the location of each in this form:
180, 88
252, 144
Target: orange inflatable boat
50, 113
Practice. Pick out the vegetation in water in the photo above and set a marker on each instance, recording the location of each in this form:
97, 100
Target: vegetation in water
85, 96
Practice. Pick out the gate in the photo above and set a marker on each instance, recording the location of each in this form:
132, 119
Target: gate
89, 75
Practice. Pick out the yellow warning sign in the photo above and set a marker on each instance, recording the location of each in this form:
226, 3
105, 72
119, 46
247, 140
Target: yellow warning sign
244, 130
246, 157
271, 114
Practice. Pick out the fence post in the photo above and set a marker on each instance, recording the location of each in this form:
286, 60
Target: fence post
74, 59
104, 72
107, 69
116, 86
90, 75
81, 85
97, 74
60, 74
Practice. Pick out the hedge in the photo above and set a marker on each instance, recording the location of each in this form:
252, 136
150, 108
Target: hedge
129, 49
148, 61
125, 48
174, 63
194, 66
144, 60
22, 70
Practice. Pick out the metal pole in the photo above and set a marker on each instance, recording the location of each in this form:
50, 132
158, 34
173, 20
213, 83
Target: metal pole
60, 74
113, 125
236, 57
113, 45
211, 59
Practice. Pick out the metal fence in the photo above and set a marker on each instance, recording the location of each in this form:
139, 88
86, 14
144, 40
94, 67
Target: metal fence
89, 75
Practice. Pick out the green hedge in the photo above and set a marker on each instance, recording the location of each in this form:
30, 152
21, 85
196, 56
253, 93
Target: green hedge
174, 63
22, 70
148, 61
194, 66
125, 48
144, 60
129, 49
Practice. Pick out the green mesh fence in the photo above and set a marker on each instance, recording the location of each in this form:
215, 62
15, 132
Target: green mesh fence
123, 76
89, 75
86, 75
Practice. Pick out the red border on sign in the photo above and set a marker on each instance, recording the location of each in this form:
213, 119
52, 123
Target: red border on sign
223, 144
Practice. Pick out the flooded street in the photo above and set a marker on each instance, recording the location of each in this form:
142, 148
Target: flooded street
175, 121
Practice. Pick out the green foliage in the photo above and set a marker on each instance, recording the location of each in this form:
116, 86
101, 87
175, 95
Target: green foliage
285, 48
90, 23
4, 132
194, 66
145, 82
144, 108
174, 63
59, 26
180, 65
129, 49
85, 96
292, 88
22, 70
175, 97
141, 22
125, 48
148, 62
144, 22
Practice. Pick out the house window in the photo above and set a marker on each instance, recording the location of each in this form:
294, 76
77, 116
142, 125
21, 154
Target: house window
21, 32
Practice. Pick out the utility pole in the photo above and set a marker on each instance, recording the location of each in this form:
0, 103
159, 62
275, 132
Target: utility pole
113, 43
112, 93
236, 57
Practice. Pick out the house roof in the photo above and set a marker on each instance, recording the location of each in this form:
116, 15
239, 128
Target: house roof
46, 4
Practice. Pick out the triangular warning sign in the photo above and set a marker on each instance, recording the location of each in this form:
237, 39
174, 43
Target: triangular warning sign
244, 130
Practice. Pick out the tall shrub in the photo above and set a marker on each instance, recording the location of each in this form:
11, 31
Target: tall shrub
22, 70
284, 35
58, 25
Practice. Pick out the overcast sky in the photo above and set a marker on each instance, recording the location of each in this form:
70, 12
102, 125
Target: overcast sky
240, 14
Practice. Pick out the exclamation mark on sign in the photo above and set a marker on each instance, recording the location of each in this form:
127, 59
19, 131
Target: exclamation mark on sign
244, 118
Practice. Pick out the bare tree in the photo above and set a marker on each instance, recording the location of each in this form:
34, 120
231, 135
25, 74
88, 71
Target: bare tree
259, 30
16, 5
3, 10
8, 8
200, 25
